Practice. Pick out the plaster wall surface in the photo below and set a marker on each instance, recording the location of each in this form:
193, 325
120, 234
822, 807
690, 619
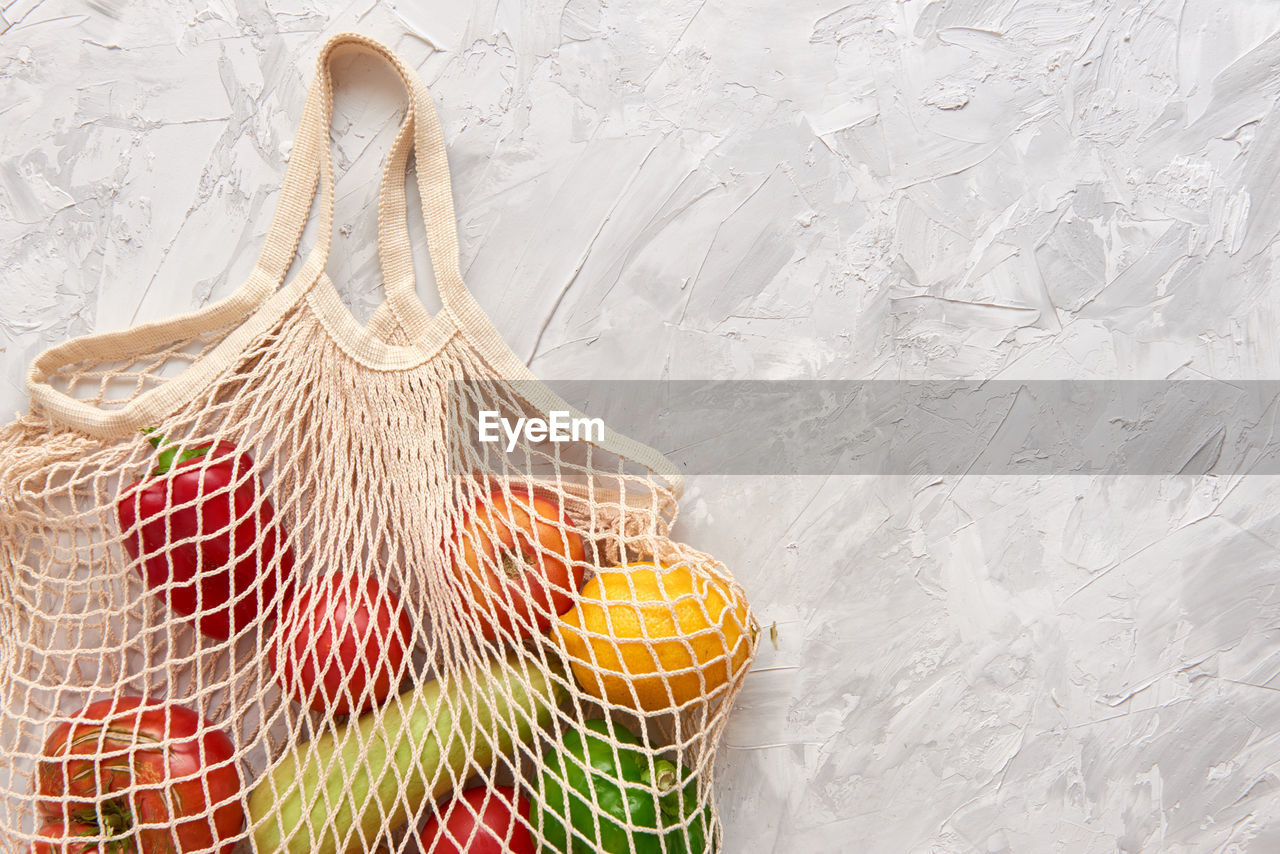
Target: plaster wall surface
757, 189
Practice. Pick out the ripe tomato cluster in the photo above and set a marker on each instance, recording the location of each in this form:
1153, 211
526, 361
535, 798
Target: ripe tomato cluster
150, 775
516, 560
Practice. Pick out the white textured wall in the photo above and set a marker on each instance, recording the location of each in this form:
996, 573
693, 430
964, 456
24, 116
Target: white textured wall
739, 188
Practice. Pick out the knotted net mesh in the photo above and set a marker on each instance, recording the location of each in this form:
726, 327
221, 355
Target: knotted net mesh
311, 610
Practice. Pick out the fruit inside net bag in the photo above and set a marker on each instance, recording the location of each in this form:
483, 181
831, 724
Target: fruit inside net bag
261, 585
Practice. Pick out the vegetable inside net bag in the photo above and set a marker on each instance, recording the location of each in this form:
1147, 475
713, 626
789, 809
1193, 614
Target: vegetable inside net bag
261, 588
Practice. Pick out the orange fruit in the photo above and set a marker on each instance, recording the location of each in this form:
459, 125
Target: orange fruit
653, 638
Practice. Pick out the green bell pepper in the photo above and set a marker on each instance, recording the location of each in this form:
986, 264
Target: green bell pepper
619, 792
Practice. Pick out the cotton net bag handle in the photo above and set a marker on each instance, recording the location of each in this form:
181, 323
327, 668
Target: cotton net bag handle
403, 309
314, 163
395, 255
420, 135
310, 165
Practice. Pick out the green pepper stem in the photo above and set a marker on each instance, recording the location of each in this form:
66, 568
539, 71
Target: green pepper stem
166, 461
665, 777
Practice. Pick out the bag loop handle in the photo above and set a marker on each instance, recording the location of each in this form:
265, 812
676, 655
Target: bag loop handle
403, 308
313, 164
265, 296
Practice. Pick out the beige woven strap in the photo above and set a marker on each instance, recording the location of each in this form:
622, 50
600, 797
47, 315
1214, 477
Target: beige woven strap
415, 137
442, 239
313, 162
394, 249
397, 270
311, 166
310, 163
394, 252
296, 194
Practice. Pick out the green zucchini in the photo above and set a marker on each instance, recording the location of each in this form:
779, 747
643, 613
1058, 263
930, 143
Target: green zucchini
346, 788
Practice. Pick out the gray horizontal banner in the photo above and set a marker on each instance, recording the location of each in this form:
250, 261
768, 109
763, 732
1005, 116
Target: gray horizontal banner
882, 427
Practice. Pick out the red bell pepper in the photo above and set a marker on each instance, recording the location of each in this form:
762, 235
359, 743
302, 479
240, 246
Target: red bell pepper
204, 536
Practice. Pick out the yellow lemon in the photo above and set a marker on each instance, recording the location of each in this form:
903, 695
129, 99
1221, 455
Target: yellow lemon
652, 638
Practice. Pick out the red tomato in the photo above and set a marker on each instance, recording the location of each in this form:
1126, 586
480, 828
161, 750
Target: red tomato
167, 751
341, 644
481, 821
516, 565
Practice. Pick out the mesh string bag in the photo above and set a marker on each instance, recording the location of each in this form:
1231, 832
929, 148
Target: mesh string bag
262, 587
